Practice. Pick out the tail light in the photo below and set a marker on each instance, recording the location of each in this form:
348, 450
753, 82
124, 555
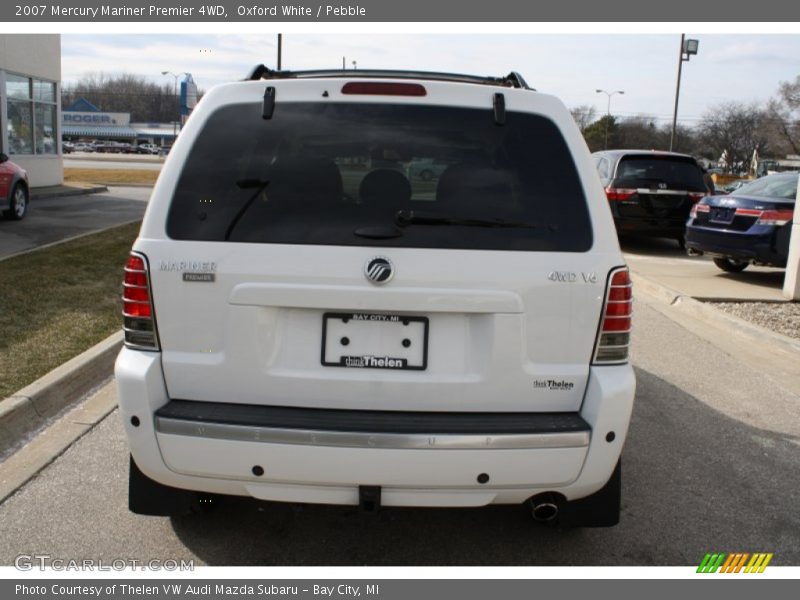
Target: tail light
613, 193
137, 305
776, 217
614, 334
699, 208
697, 196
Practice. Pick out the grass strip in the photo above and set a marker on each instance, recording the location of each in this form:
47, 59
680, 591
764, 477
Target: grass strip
58, 302
111, 176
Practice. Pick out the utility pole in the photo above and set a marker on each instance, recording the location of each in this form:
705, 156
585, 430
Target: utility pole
280, 46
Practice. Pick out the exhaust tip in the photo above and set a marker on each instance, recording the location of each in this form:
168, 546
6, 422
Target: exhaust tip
545, 507
693, 252
545, 511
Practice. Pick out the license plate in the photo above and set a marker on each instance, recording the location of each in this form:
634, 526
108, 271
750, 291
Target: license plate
723, 216
374, 341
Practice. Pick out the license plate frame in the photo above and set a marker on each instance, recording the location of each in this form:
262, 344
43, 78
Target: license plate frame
382, 362
721, 215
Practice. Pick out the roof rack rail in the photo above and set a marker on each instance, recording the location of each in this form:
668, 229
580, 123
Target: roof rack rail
512, 80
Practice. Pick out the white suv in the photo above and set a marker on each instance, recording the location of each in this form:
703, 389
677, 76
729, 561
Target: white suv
306, 322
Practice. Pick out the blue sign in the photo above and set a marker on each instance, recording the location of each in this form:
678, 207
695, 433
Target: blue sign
86, 118
188, 95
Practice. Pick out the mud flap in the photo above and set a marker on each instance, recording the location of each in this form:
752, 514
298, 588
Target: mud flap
601, 509
148, 497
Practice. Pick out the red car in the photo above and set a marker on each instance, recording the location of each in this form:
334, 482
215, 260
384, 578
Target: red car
14, 189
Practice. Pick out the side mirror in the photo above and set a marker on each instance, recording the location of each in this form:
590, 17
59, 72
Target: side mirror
3, 157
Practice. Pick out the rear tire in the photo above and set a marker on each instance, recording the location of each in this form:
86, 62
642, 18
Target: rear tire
19, 203
730, 265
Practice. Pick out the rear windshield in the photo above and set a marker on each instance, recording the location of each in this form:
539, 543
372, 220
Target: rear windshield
381, 175
666, 172
782, 187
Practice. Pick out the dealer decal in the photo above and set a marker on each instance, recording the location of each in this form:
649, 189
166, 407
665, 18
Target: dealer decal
552, 384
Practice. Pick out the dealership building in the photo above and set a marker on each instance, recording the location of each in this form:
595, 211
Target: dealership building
30, 104
82, 120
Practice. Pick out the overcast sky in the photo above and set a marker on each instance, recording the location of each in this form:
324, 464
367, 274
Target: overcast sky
572, 66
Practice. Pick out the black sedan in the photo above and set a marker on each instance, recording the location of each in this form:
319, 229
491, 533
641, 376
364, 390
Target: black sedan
750, 225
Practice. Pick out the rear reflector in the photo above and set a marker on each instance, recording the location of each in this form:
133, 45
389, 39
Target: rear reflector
613, 193
137, 305
381, 88
748, 212
613, 337
699, 208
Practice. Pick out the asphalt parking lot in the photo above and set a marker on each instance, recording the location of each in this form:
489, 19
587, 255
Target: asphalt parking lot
54, 219
711, 464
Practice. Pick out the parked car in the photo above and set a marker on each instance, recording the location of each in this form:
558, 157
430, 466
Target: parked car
650, 192
83, 147
426, 169
112, 147
300, 332
750, 225
147, 149
14, 189
67, 147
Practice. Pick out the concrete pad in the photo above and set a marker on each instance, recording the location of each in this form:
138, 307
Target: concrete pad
664, 262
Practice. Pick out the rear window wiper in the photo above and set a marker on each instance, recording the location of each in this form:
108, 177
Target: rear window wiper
246, 184
404, 218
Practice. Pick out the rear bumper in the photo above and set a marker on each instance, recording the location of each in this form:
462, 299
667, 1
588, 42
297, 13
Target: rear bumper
672, 224
743, 246
422, 463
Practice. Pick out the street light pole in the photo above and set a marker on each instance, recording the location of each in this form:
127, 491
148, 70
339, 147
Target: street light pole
280, 48
686, 50
177, 99
608, 111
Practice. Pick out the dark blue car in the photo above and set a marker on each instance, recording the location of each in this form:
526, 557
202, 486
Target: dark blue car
751, 225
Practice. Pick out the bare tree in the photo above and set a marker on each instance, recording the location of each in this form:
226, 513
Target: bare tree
584, 116
784, 117
145, 100
735, 129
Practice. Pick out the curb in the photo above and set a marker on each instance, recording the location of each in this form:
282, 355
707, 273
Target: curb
706, 312
31, 407
112, 157
95, 189
108, 184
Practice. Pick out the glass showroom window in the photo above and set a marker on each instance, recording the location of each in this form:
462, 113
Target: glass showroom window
44, 98
32, 116
20, 115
